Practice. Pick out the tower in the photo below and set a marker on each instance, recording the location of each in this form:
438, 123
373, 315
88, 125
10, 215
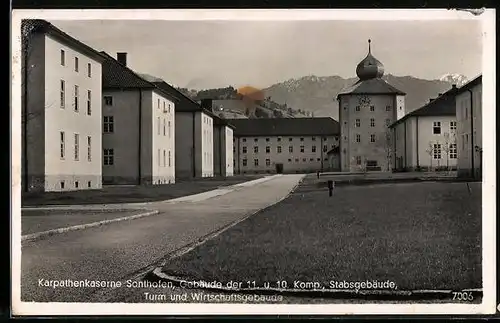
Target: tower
366, 109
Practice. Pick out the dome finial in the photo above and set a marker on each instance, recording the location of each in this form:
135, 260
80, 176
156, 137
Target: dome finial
369, 46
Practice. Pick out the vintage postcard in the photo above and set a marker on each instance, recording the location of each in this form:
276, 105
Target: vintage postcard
253, 162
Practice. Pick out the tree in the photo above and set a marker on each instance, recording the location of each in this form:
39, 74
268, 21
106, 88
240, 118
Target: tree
449, 141
388, 148
430, 151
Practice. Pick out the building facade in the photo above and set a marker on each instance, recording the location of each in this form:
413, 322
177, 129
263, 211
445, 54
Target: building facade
284, 145
426, 139
366, 109
61, 110
223, 148
194, 136
138, 126
470, 129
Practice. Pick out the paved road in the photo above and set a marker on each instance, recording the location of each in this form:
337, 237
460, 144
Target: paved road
115, 251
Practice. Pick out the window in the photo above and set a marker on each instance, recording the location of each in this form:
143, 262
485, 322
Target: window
76, 64
466, 113
289, 160
89, 184
256, 139
453, 125
63, 58
358, 160
268, 149
290, 149
358, 137
304, 159
89, 102
372, 122
267, 139
453, 151
358, 123
301, 149
244, 139
89, 148
296, 160
158, 103
244, 150
388, 108
164, 127
164, 110
466, 138
313, 149
164, 158
325, 139
244, 162
301, 139
279, 139
268, 162
436, 128
372, 138
62, 95
357, 108
108, 157
255, 149
108, 124
77, 146
89, 70
108, 100
325, 148
256, 162
437, 151
372, 108
311, 159
76, 184
278, 149
169, 130
169, 158
313, 138
62, 184
387, 122
290, 139
62, 144
76, 98
159, 125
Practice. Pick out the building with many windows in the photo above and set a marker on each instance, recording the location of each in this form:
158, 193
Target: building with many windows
470, 128
138, 126
61, 110
366, 109
426, 139
284, 145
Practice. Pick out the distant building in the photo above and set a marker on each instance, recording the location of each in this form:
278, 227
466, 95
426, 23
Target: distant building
61, 110
138, 125
425, 139
284, 145
366, 109
469, 128
193, 137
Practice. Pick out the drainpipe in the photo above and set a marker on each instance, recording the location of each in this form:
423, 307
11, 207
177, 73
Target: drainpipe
416, 128
406, 162
193, 155
220, 150
321, 141
471, 134
139, 163
25, 123
394, 152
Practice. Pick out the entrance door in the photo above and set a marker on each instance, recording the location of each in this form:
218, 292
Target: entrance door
279, 168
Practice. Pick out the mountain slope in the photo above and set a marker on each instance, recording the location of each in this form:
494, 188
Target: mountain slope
318, 94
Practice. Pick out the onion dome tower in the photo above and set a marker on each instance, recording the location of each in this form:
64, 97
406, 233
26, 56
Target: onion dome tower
369, 67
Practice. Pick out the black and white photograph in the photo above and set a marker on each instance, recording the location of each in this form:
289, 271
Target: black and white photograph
253, 162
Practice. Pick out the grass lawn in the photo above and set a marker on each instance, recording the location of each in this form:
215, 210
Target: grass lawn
131, 194
417, 235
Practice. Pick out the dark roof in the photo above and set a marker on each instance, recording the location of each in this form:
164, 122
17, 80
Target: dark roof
115, 75
443, 105
29, 26
285, 127
474, 82
218, 121
334, 150
371, 86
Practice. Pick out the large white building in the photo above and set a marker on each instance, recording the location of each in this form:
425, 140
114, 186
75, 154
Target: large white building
138, 125
61, 110
366, 109
194, 136
285, 145
470, 128
425, 139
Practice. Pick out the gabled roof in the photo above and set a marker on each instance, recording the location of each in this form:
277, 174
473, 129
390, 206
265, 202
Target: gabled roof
116, 75
218, 121
29, 26
285, 127
371, 86
443, 105
468, 85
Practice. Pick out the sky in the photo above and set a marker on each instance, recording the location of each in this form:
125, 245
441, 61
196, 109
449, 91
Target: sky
210, 54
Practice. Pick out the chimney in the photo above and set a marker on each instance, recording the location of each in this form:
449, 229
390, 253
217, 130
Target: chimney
122, 58
453, 86
439, 94
430, 100
207, 104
